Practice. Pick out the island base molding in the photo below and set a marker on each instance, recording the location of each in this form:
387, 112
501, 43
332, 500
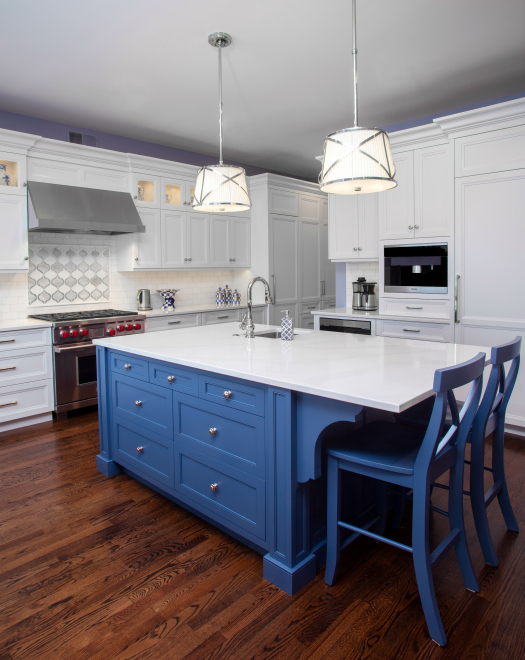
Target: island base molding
290, 580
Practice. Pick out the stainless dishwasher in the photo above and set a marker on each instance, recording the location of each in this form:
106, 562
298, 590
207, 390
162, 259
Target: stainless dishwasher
345, 325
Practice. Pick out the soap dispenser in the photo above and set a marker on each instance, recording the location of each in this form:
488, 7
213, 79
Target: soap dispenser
286, 327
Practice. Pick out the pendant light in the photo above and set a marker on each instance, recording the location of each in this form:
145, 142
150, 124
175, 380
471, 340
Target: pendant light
357, 160
221, 188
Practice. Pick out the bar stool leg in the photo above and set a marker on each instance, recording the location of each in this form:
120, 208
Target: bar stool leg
333, 515
477, 501
381, 504
498, 467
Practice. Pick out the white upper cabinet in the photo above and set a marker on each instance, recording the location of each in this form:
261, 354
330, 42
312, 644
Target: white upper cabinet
396, 206
240, 242
494, 151
229, 241
422, 205
283, 202
176, 194
353, 227
145, 190
147, 246
12, 173
13, 230
197, 239
173, 239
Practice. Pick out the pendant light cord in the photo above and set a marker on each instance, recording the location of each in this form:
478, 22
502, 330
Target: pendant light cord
220, 102
354, 53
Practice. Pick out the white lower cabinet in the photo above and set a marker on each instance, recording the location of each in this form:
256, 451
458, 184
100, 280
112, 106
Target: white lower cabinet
172, 322
408, 330
221, 316
307, 321
414, 307
328, 304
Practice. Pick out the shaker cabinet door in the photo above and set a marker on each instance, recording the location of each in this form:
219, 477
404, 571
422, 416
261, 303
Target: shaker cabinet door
148, 245
13, 232
220, 255
343, 227
240, 241
310, 259
284, 259
173, 239
369, 226
327, 266
396, 206
433, 191
197, 240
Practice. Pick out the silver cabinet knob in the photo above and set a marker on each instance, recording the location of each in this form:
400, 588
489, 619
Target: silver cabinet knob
135, 197
127, 366
355, 249
189, 259
227, 394
26, 258
359, 248
171, 379
410, 227
138, 403
136, 258
24, 184
213, 431
140, 449
416, 226
214, 487
233, 259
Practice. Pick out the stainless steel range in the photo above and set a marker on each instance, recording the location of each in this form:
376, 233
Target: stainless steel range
75, 361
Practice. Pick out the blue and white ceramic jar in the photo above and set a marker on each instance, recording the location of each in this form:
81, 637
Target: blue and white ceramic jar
169, 299
228, 296
236, 298
219, 298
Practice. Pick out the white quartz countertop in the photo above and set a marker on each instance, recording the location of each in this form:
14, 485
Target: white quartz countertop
23, 324
380, 372
349, 313
194, 309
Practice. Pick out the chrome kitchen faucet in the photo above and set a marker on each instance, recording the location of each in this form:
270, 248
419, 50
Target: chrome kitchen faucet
247, 320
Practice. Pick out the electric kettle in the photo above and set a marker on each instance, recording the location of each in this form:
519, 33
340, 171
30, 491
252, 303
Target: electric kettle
143, 300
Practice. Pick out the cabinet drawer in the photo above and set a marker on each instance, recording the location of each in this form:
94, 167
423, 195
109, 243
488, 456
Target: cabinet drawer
233, 437
25, 338
232, 394
328, 304
148, 405
424, 308
23, 366
172, 322
306, 322
237, 497
18, 401
129, 366
425, 331
143, 451
174, 378
306, 308
222, 316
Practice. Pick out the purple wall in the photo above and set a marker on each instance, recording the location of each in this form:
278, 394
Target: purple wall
59, 131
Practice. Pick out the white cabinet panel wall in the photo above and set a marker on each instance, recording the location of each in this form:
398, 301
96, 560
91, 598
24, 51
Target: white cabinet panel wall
310, 258
494, 151
284, 263
327, 266
284, 203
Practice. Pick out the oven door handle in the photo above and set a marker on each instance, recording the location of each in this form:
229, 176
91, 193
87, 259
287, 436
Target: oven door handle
63, 349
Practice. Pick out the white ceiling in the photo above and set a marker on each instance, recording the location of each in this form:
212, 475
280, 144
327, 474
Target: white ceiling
144, 69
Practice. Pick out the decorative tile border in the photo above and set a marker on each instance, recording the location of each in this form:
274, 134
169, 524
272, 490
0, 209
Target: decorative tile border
68, 274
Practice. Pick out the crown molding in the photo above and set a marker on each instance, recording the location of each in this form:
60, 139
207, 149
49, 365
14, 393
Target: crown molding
284, 183
79, 154
161, 167
16, 141
424, 136
491, 117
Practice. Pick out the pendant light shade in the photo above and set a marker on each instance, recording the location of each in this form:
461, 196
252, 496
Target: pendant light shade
221, 188
357, 160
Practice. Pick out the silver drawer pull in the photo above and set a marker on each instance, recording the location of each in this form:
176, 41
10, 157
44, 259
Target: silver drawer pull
173, 322
171, 379
213, 431
312, 307
408, 307
214, 487
7, 341
127, 366
226, 316
11, 403
7, 368
140, 449
138, 403
227, 394
411, 330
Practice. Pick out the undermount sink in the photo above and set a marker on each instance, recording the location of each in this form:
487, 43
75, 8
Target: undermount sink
271, 334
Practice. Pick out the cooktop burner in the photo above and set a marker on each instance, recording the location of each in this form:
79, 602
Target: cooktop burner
64, 317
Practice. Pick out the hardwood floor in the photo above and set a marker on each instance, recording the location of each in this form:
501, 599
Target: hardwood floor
93, 568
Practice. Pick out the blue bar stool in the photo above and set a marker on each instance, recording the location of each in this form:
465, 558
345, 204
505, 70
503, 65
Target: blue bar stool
490, 418
411, 457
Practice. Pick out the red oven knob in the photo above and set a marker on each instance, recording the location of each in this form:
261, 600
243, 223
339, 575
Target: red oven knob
64, 334
137, 326
74, 333
111, 331
84, 332
120, 328
129, 327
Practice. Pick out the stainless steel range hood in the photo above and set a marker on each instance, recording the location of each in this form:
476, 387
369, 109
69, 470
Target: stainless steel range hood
69, 209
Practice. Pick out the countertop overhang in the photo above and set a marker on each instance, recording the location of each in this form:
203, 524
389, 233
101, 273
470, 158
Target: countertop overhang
380, 372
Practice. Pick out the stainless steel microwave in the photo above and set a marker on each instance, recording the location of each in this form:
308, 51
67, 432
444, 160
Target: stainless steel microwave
416, 268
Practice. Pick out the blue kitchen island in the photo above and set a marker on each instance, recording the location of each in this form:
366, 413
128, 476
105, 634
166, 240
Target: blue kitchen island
232, 428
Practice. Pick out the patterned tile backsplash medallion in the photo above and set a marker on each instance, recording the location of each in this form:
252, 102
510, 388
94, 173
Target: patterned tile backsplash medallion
68, 274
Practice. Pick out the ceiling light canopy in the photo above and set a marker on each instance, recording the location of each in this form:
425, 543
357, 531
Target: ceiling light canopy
357, 160
221, 188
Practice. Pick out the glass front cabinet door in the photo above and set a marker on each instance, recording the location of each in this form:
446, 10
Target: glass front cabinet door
145, 190
12, 174
176, 194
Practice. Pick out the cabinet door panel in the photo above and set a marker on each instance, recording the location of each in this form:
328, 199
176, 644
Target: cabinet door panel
369, 226
310, 241
343, 227
284, 259
148, 245
13, 230
240, 242
173, 239
433, 191
174, 195
145, 190
396, 206
309, 208
198, 228
220, 254
327, 266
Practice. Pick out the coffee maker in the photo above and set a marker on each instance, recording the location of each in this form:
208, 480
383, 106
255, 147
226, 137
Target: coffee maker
364, 298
